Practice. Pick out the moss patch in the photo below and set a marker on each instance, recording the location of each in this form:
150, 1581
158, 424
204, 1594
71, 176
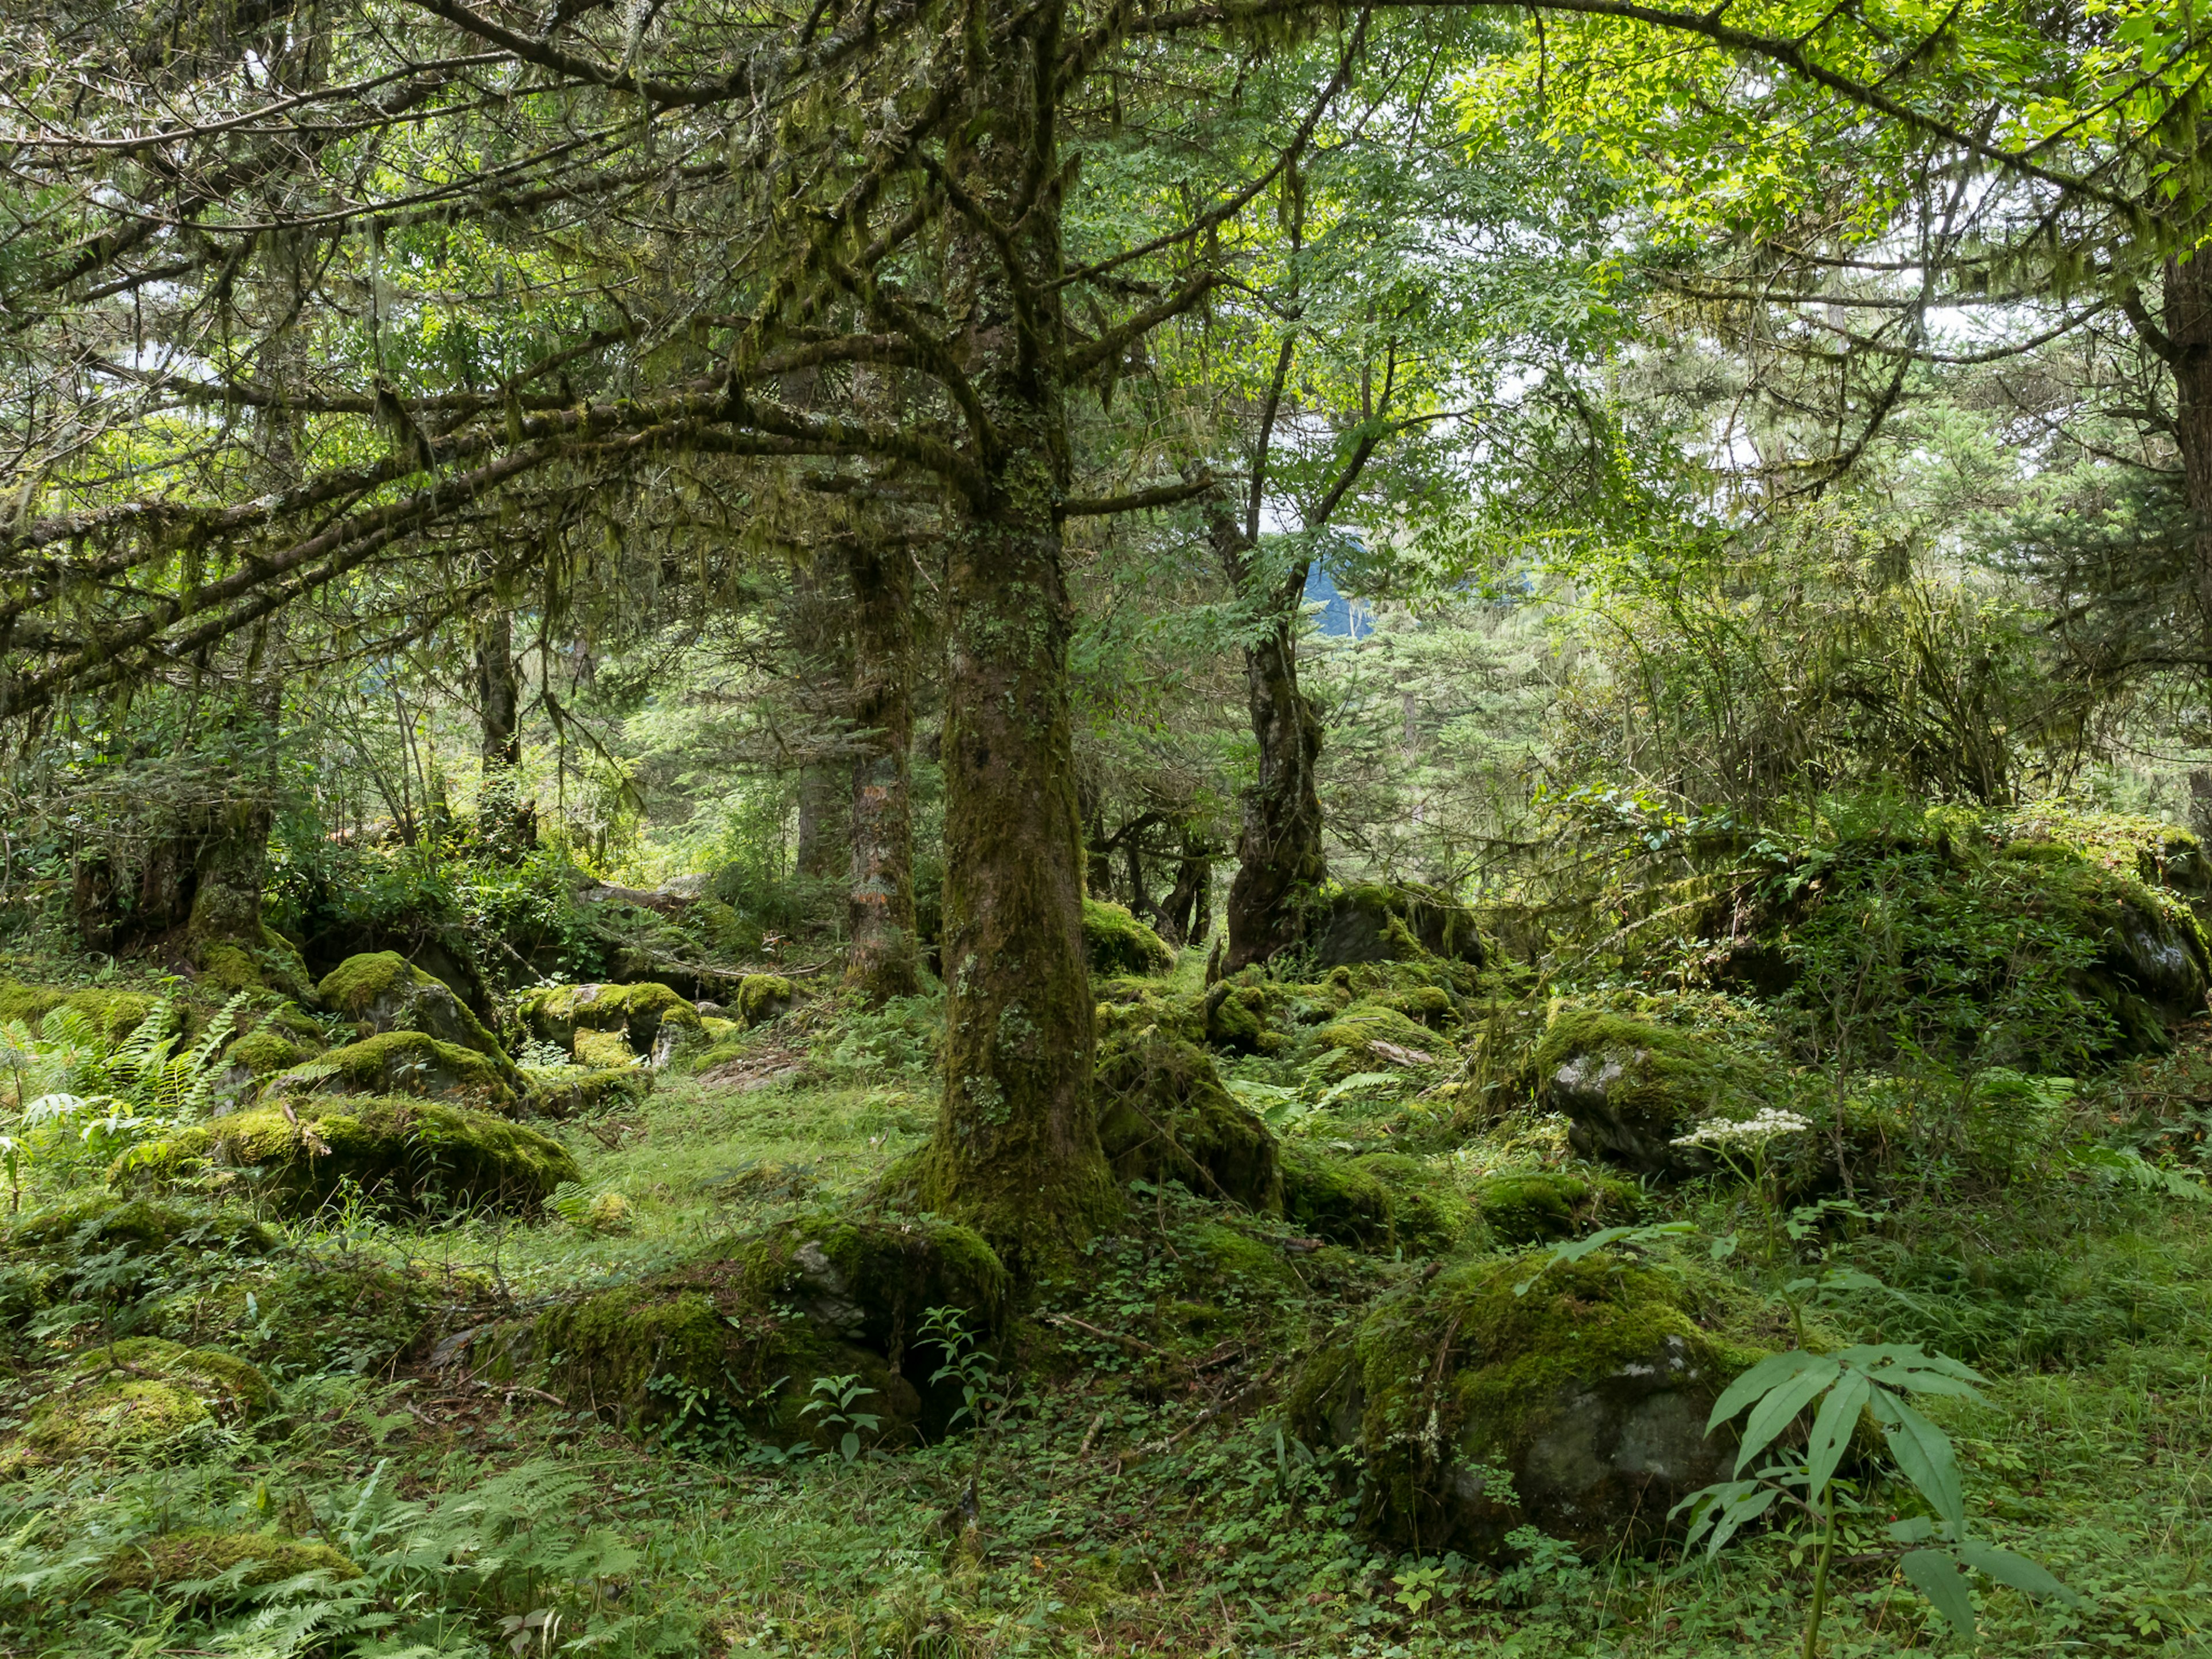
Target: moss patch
244, 1560
309, 1315
409, 1063
1382, 1201
1629, 1086
1532, 1207
413, 1153
1164, 1115
654, 1020
131, 1398
113, 1014
392, 994
1116, 942
763, 997
574, 1091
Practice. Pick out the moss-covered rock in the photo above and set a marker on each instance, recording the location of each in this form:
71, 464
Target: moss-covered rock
1530, 1207
135, 1397
1117, 943
98, 1223
110, 1014
603, 1051
412, 1153
763, 997
744, 1330
262, 1052
1578, 1407
719, 1030
1164, 1115
259, 958
1376, 922
1237, 1018
1370, 1035
309, 1314
653, 1020
407, 1063
1382, 1201
563, 1092
385, 991
1630, 1087
240, 1560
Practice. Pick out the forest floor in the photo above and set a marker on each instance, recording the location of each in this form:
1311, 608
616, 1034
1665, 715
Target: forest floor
1138, 1494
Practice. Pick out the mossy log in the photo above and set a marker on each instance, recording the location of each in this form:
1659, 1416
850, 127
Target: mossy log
1578, 1407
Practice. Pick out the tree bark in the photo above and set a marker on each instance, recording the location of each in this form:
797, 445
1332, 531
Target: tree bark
2188, 351
1278, 855
820, 621
1016, 1149
883, 960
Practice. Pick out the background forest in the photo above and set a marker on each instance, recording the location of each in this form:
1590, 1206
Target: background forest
1090, 827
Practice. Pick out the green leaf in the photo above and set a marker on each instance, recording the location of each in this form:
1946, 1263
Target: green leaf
1832, 1430
1738, 1512
1935, 1576
1913, 1529
1754, 1382
2016, 1570
1781, 1407
1925, 1456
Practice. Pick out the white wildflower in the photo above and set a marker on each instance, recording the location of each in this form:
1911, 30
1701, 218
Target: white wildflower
1722, 1131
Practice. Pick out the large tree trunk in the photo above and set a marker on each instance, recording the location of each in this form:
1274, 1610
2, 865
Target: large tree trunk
1016, 1149
883, 959
1278, 855
2188, 353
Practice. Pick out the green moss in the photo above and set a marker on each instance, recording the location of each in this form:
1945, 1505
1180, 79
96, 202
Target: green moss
1164, 1115
390, 992
1116, 942
653, 1019
568, 1091
1234, 1256
134, 1397
264, 1051
763, 997
721, 1030
1370, 1037
308, 1316
604, 1050
191, 1558
114, 1014
410, 1063
398, 1151
98, 1223
1632, 1086
1531, 1207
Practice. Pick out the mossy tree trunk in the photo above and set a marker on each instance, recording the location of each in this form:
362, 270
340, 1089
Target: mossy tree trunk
882, 960
1278, 855
819, 618
503, 821
1016, 1149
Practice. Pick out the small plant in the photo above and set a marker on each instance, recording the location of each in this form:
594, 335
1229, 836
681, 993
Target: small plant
1748, 1140
1571, 1250
831, 1408
1934, 1553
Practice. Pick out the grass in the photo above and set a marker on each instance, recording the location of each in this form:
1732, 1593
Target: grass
1138, 1497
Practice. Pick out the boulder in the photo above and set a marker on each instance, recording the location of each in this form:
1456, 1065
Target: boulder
742, 1331
1578, 1408
387, 993
136, 1398
1536, 1207
763, 997
1629, 1087
309, 1314
574, 1091
111, 1015
1164, 1115
653, 1020
410, 1153
407, 1063
1376, 922
1378, 1202
1116, 942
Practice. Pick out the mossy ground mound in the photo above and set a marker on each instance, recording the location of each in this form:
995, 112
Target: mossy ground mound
740, 1334
409, 1063
1578, 1407
1376, 922
385, 991
416, 1154
1164, 1115
136, 1398
1383, 1201
563, 1092
225, 1562
97, 1225
1370, 1034
652, 1020
113, 1015
1539, 1205
1117, 943
312, 1314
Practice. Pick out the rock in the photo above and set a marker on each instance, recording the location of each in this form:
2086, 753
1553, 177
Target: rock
94, 1226
1374, 922
763, 997
1378, 1036
136, 1398
1380, 1201
1535, 1207
1116, 942
191, 1557
413, 1154
708, 1009
563, 1091
1629, 1086
113, 1015
606, 1051
407, 1063
1236, 1018
750, 1325
390, 994
1578, 1408
653, 1020
1164, 1115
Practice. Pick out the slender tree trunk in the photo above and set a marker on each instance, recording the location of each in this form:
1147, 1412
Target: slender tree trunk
1016, 1147
1278, 855
883, 960
824, 782
504, 821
